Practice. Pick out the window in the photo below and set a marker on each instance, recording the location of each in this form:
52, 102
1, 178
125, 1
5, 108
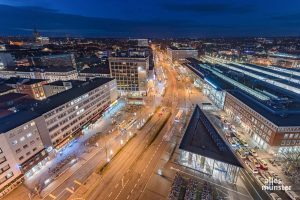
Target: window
2, 180
32, 123
28, 153
25, 146
14, 142
3, 159
22, 139
29, 134
4, 169
18, 150
21, 158
286, 136
10, 174
32, 142
1, 150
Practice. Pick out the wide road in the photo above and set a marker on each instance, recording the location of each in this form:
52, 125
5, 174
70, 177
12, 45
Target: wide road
131, 170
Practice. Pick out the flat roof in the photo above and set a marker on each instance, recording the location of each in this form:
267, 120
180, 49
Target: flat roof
5, 88
203, 139
39, 69
96, 70
11, 97
282, 108
182, 48
14, 120
23, 81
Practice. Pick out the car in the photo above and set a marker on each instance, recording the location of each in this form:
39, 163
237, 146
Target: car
225, 126
228, 134
292, 195
243, 142
253, 152
226, 122
263, 164
236, 140
232, 143
275, 196
241, 153
246, 151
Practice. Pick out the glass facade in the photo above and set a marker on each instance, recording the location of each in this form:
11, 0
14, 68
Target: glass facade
218, 170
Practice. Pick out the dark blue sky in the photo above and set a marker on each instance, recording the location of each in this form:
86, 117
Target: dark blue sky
151, 18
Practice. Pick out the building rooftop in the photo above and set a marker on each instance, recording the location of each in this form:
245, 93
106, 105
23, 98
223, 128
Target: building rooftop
129, 54
39, 69
203, 139
11, 97
5, 88
182, 48
23, 81
41, 107
95, 70
276, 104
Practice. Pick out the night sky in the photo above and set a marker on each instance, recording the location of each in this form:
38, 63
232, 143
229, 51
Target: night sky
151, 18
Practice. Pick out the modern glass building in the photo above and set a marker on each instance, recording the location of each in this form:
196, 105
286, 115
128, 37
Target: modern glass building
203, 150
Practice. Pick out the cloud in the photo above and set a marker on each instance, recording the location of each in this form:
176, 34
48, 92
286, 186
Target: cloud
213, 8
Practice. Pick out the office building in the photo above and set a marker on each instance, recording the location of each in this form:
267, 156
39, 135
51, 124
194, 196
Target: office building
130, 71
25, 135
22, 151
47, 73
178, 53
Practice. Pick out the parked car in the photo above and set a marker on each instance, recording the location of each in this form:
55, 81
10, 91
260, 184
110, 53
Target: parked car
243, 142
241, 153
292, 195
253, 152
263, 164
274, 196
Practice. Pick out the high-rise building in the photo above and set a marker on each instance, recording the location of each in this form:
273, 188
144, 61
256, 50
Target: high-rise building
131, 72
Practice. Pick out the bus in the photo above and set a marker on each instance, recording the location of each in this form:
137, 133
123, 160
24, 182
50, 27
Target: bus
178, 116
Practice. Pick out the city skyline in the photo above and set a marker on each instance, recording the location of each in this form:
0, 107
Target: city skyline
91, 18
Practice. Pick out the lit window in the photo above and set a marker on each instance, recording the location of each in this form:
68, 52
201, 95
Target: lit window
14, 142
29, 134
9, 175
22, 139
32, 123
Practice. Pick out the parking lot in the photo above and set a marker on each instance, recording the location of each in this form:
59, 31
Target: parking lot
267, 170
